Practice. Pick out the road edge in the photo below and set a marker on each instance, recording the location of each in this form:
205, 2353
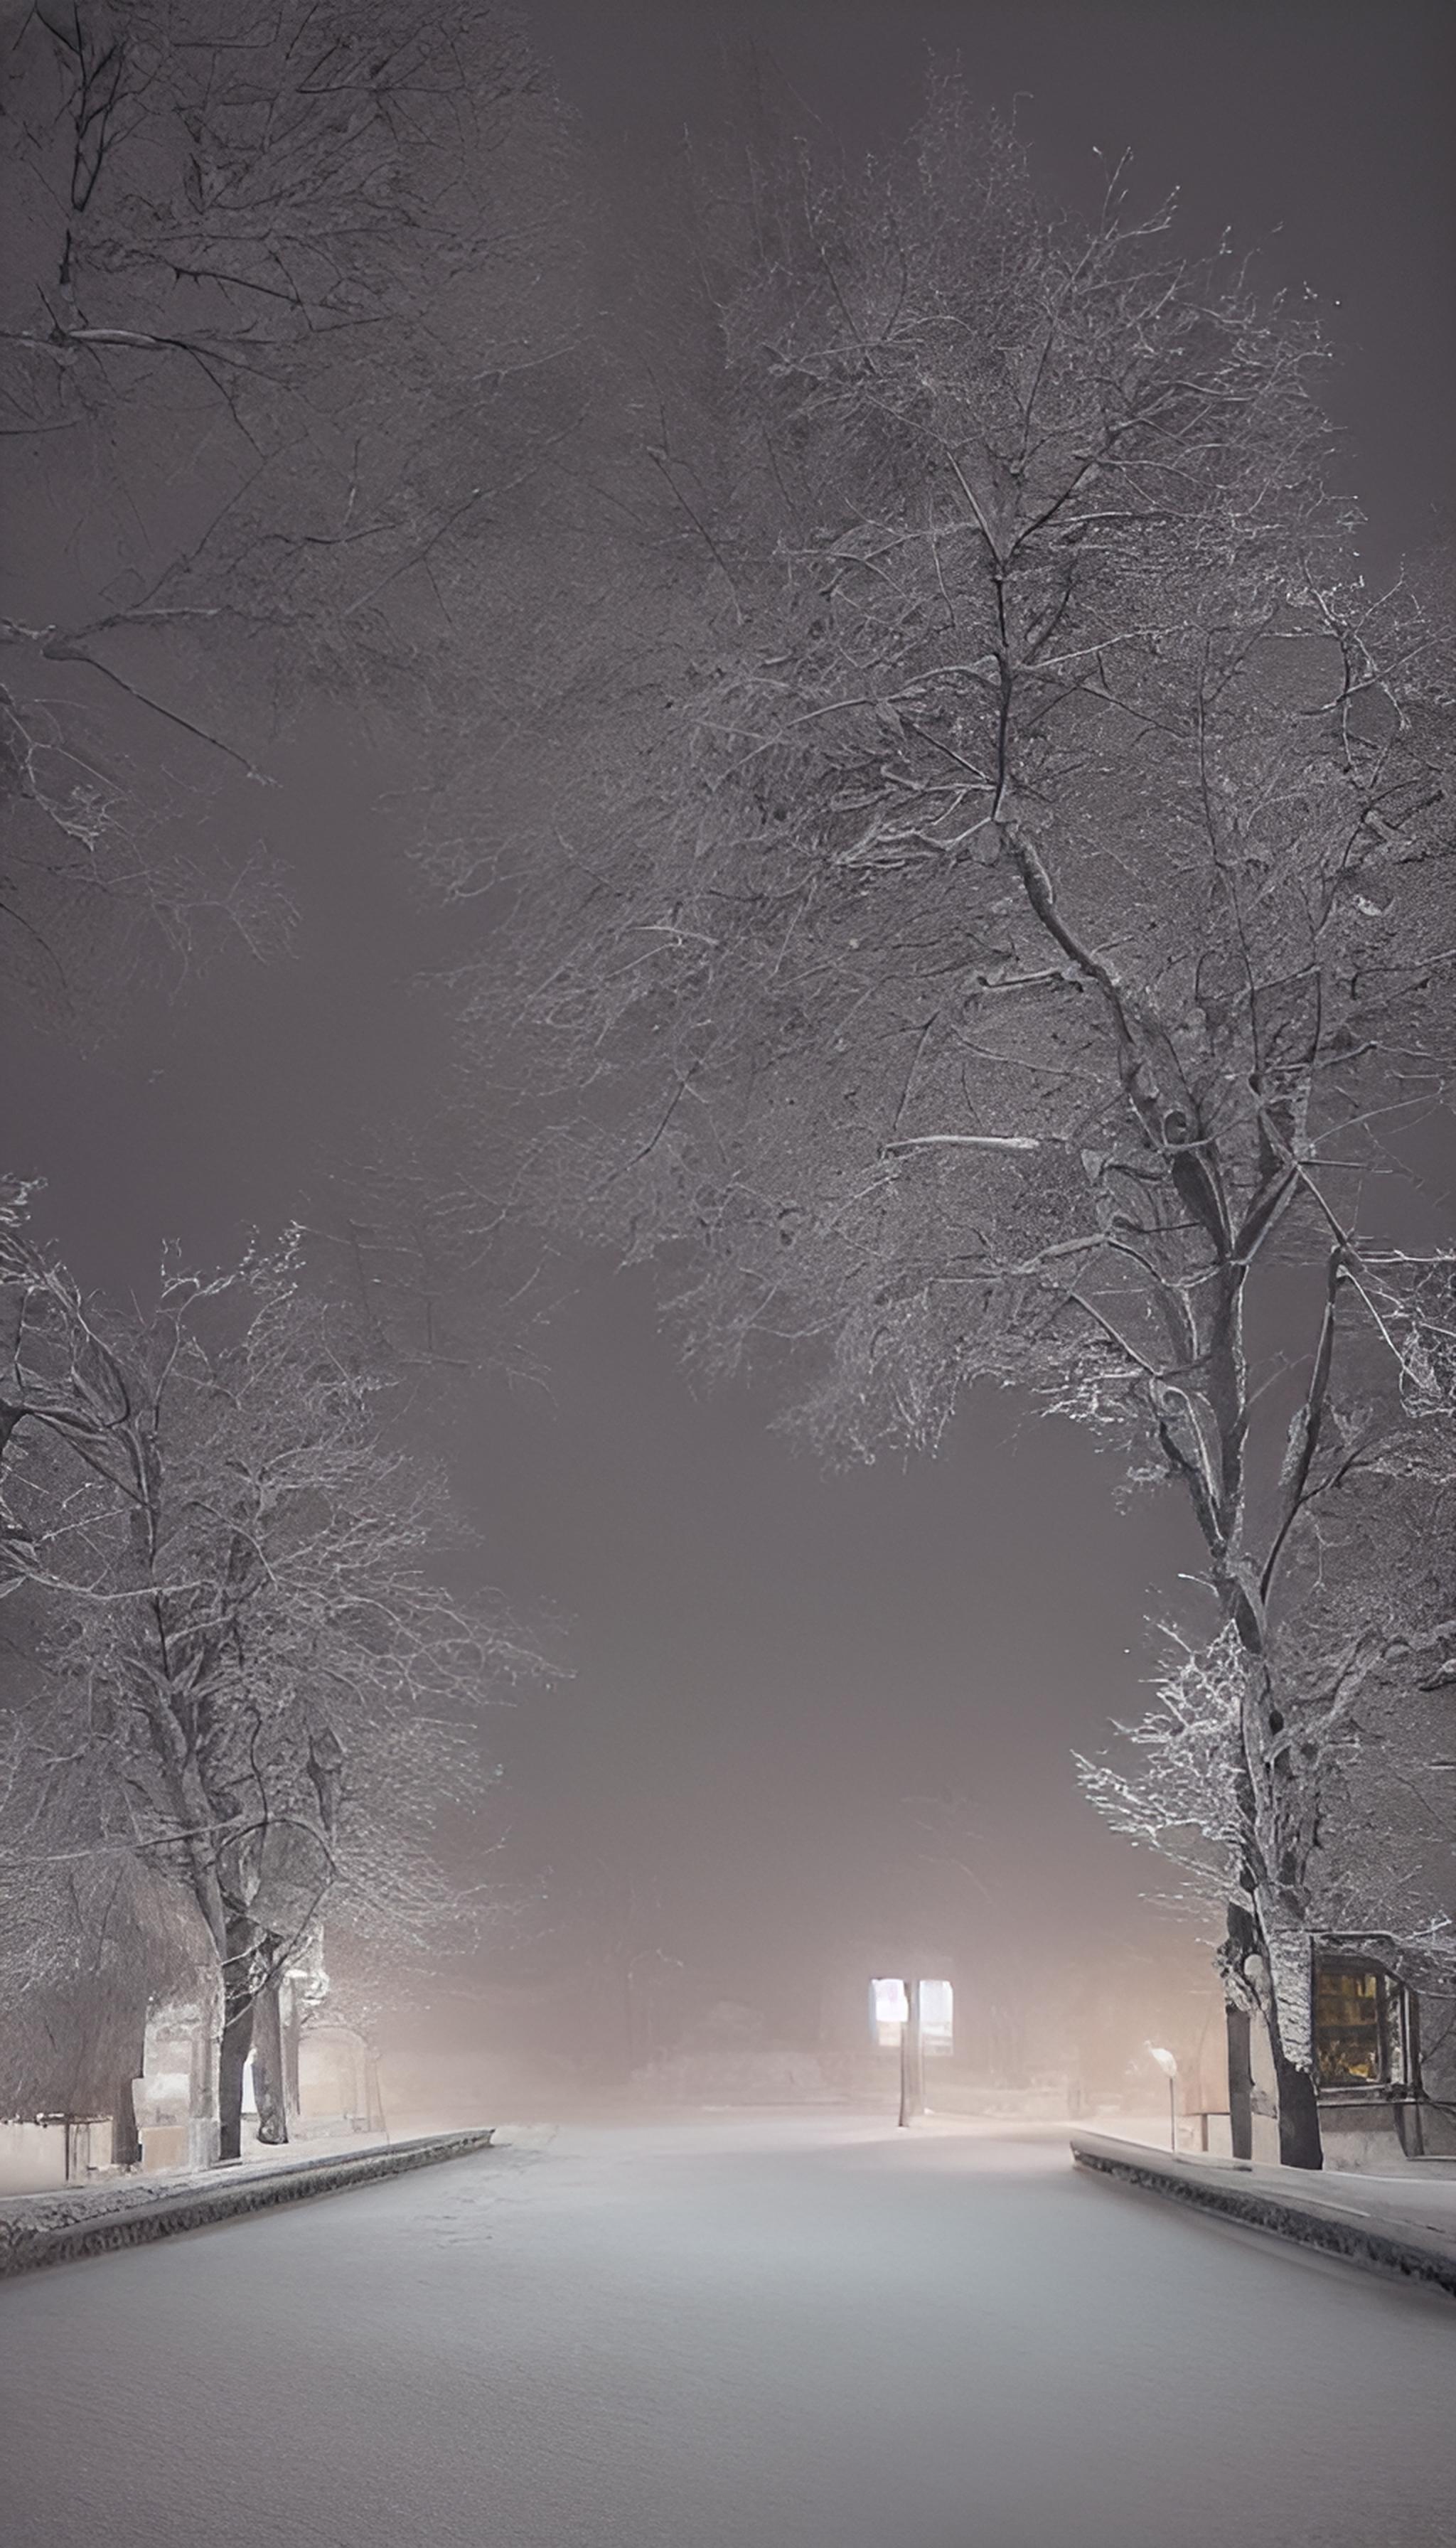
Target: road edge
23, 2250
1354, 2238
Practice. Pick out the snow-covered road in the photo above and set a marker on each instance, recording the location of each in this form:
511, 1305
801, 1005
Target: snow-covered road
785, 2334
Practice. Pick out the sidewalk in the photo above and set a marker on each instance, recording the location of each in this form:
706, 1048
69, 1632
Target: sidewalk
1392, 2225
63, 2223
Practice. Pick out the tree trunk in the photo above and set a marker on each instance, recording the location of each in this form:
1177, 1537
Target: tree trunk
1240, 2083
1238, 1941
1300, 2140
126, 2139
1250, 2000
375, 2114
1269, 1809
292, 2092
238, 2036
270, 2084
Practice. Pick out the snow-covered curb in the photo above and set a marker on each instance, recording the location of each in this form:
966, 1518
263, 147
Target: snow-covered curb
1336, 2223
129, 2219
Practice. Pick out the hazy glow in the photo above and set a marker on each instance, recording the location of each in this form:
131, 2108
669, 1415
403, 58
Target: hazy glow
936, 2016
890, 2009
889, 2012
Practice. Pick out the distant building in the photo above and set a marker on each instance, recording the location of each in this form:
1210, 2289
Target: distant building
1385, 2061
166, 2116
1385, 2057
173, 2100
330, 2075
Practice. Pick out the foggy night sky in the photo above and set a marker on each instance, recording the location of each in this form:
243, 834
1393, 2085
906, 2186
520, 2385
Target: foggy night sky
767, 1661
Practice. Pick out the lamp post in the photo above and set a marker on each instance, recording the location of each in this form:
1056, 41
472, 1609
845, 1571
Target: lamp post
912, 2085
1167, 2063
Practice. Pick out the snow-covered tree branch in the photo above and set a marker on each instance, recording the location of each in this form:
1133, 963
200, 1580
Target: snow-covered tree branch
253, 1666
1031, 939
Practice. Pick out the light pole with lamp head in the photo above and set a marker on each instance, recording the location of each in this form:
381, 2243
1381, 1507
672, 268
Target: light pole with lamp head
1167, 2063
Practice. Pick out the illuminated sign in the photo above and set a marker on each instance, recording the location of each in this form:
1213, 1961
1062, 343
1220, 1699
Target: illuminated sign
889, 2013
890, 2009
936, 2016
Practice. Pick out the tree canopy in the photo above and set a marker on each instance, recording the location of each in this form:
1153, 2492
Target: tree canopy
1032, 945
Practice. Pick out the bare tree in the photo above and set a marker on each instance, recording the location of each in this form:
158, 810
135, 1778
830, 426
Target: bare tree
1033, 936
253, 1658
283, 345
277, 349
1361, 1657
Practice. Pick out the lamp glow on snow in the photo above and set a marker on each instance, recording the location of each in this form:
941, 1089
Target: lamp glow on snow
1169, 2065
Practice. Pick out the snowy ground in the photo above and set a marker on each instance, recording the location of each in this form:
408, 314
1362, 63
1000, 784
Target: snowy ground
795, 2332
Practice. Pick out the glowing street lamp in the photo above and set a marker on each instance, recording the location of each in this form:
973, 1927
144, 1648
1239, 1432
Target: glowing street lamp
1167, 2063
895, 2007
918, 2017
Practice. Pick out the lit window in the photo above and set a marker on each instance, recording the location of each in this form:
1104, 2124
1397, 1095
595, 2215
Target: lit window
1357, 2029
937, 2017
889, 2008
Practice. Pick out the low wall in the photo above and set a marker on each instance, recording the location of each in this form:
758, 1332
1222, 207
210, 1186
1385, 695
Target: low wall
131, 2216
40, 2156
1384, 2244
